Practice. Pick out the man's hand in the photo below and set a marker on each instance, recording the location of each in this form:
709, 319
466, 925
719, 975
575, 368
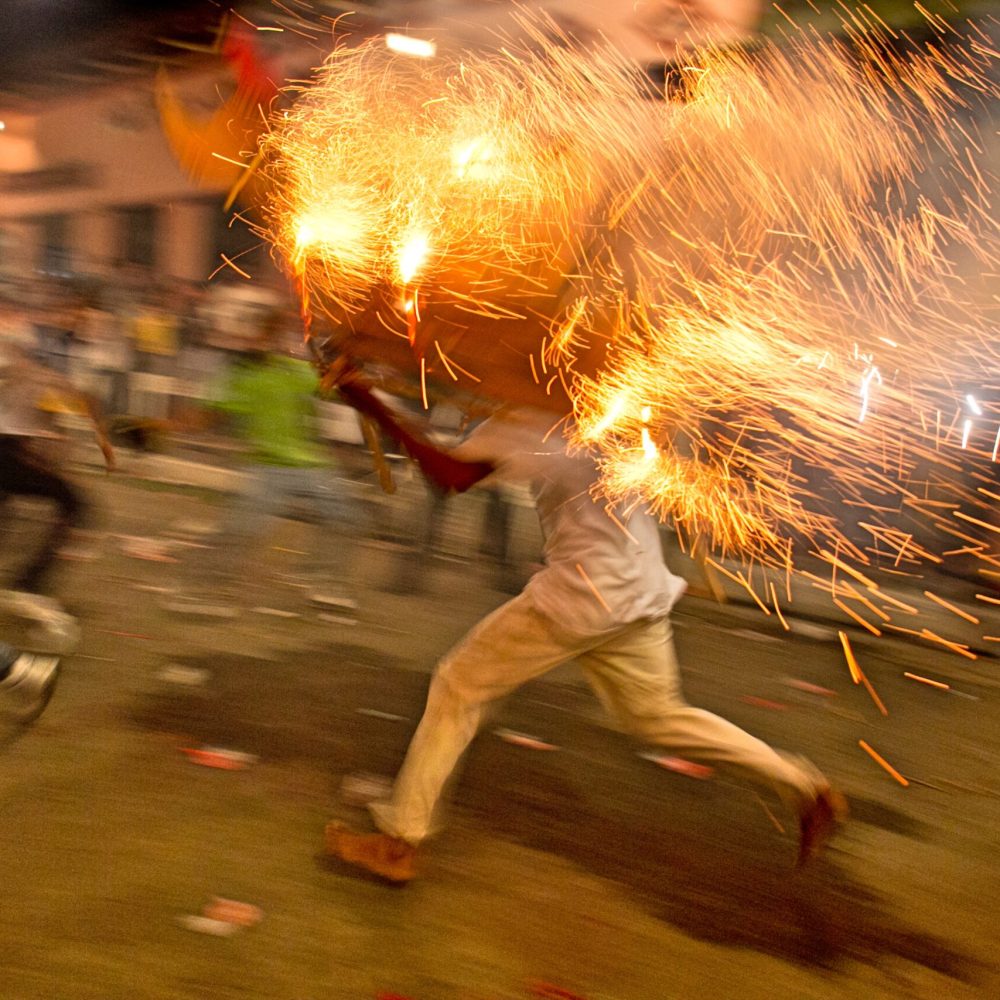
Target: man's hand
340, 372
447, 473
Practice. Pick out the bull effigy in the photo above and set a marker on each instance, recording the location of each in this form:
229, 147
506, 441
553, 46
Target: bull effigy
753, 294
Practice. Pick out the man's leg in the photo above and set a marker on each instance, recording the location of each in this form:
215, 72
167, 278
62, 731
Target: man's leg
512, 645
507, 648
338, 518
636, 676
244, 521
27, 475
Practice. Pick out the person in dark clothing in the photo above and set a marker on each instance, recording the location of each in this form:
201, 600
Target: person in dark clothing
27, 465
24, 473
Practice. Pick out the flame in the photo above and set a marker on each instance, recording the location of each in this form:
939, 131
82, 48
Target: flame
708, 285
412, 256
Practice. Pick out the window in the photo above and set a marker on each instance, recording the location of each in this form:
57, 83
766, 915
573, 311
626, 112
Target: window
138, 235
54, 255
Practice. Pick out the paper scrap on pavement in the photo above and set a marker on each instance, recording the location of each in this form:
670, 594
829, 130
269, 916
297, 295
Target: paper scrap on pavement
206, 925
809, 688
219, 757
774, 706
177, 673
680, 765
524, 740
231, 911
375, 713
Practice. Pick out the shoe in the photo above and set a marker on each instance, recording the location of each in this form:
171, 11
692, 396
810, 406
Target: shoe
818, 822
31, 683
55, 629
385, 856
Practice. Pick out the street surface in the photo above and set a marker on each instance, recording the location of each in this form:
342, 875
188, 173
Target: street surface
586, 867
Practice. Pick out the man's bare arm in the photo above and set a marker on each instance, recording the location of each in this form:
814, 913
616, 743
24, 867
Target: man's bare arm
447, 472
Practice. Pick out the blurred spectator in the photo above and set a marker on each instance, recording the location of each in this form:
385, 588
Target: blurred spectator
29, 395
155, 332
55, 327
101, 357
270, 399
16, 326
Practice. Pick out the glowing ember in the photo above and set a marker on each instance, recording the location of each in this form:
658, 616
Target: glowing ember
411, 256
883, 763
409, 46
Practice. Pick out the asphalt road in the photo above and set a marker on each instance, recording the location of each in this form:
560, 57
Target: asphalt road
585, 867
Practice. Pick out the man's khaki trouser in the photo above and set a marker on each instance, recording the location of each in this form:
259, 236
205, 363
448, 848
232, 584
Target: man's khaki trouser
633, 671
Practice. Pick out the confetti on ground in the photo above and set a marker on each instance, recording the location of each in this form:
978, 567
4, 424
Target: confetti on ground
774, 706
232, 911
874, 695
376, 713
177, 673
148, 549
337, 619
809, 688
79, 555
222, 917
524, 740
948, 606
192, 528
205, 925
331, 601
219, 757
275, 612
679, 765
198, 609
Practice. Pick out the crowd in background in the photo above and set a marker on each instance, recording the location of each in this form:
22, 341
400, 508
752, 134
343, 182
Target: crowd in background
136, 341
157, 352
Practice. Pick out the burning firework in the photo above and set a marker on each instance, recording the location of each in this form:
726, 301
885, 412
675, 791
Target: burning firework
753, 297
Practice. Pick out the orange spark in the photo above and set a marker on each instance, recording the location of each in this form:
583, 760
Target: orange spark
852, 663
927, 680
883, 763
947, 605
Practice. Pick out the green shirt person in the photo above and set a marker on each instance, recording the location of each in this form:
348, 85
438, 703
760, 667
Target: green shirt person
271, 399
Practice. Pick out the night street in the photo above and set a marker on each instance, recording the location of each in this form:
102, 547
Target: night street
585, 867
327, 329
